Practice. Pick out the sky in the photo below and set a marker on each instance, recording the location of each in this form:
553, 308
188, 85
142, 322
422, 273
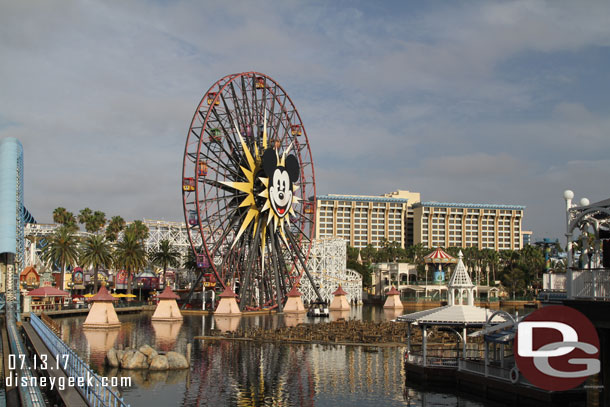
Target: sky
502, 102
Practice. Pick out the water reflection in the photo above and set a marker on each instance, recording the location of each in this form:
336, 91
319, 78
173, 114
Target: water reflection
226, 324
166, 333
336, 315
392, 313
247, 373
99, 341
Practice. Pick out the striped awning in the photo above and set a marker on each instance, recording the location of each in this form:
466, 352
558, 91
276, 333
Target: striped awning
439, 256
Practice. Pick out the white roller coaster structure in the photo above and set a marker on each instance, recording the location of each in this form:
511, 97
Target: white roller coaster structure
327, 262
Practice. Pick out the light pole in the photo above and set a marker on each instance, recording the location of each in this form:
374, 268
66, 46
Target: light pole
140, 285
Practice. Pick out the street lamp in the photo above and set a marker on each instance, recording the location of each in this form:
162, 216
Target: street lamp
140, 285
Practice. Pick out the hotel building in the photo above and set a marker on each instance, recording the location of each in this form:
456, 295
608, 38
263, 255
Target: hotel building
363, 220
401, 217
496, 227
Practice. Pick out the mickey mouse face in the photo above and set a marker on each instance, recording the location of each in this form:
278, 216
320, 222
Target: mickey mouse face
280, 191
281, 179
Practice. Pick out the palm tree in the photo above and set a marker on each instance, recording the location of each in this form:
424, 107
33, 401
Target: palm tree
84, 215
130, 255
93, 221
97, 221
493, 259
164, 257
96, 252
65, 217
62, 248
138, 229
115, 226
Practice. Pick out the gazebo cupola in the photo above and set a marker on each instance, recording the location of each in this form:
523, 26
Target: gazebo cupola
460, 287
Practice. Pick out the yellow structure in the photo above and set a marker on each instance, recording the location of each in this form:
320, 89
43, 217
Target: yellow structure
102, 313
167, 308
339, 302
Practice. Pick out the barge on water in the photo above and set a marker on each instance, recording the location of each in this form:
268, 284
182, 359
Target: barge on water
475, 350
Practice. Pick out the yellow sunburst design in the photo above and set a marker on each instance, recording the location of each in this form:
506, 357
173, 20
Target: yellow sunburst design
254, 213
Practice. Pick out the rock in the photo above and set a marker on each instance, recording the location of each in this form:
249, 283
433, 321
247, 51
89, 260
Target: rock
135, 360
119, 355
152, 355
159, 362
146, 350
177, 361
126, 354
111, 358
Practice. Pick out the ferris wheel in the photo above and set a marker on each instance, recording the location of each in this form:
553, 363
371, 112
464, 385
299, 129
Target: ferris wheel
248, 189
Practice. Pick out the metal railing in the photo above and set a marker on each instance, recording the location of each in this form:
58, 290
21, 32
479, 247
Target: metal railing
96, 394
432, 361
478, 367
54, 326
592, 283
30, 395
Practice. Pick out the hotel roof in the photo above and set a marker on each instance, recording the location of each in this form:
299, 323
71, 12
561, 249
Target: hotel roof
467, 205
361, 198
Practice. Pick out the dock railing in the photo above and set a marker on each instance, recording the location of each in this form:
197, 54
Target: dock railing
432, 361
491, 370
92, 387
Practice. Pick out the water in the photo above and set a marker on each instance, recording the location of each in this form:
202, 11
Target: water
231, 373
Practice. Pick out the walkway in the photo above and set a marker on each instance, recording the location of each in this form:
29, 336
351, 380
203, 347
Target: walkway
70, 396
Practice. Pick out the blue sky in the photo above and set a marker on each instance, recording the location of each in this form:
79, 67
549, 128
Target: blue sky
484, 102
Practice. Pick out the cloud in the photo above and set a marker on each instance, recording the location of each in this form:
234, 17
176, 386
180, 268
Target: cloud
477, 102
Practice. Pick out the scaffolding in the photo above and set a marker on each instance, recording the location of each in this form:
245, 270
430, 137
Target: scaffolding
327, 265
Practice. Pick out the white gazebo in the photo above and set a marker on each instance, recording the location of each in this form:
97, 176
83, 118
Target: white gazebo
460, 290
459, 314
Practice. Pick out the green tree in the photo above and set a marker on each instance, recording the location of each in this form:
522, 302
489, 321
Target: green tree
138, 229
165, 256
493, 262
115, 226
130, 255
93, 221
96, 252
368, 254
62, 249
514, 280
352, 253
65, 218
84, 215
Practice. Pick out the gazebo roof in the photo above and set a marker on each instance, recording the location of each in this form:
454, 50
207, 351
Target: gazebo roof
339, 291
168, 294
47, 292
460, 277
294, 292
463, 315
439, 256
102, 295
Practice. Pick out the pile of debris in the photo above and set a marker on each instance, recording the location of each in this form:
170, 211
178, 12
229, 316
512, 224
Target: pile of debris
341, 331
